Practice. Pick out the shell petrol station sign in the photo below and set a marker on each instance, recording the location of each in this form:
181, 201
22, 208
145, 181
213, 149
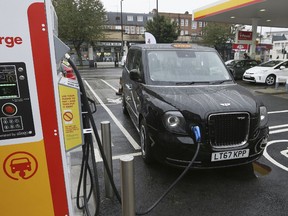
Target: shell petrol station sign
33, 170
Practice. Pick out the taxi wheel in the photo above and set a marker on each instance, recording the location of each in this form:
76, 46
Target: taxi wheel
270, 80
145, 143
124, 108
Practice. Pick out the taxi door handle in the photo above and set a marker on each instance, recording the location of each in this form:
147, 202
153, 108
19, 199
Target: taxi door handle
128, 86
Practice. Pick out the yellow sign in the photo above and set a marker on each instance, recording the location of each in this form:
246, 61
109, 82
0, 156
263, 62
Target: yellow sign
71, 113
182, 45
24, 180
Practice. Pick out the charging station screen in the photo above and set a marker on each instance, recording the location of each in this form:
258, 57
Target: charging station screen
8, 82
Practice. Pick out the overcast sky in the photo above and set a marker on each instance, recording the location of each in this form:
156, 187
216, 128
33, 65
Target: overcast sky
173, 6
145, 6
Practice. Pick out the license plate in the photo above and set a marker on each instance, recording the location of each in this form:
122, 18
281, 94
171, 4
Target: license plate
229, 155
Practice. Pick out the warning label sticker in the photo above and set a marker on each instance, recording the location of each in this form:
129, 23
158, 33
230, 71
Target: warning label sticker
71, 116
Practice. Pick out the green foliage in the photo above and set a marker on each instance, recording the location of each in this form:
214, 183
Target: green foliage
163, 30
80, 21
217, 34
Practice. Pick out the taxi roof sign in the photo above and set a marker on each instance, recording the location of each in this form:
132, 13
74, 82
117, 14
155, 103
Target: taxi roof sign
179, 45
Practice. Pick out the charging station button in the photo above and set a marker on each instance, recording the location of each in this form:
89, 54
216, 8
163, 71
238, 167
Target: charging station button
9, 109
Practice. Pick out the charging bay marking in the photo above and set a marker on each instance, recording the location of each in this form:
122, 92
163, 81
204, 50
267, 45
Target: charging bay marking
268, 157
285, 152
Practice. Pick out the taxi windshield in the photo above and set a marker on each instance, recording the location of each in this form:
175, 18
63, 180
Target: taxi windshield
186, 66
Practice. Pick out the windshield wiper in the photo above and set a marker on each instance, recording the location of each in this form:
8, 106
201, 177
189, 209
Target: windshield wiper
192, 83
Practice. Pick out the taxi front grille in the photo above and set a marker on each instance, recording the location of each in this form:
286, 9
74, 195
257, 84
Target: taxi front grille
228, 130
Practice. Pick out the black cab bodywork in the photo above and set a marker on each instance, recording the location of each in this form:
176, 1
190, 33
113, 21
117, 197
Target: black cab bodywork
172, 90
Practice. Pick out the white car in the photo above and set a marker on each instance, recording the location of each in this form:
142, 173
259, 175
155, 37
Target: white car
267, 72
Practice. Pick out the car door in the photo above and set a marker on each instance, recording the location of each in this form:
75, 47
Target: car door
131, 87
136, 91
283, 72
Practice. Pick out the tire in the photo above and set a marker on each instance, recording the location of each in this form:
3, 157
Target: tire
145, 143
270, 80
124, 107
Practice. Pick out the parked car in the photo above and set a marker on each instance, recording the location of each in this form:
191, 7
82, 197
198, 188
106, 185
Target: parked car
178, 95
267, 72
238, 67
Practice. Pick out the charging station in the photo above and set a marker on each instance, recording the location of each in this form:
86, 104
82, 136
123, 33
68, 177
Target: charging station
33, 171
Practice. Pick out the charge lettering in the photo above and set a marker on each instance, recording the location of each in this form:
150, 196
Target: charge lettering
10, 41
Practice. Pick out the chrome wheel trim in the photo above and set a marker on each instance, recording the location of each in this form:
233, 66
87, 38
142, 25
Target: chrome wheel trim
142, 140
270, 80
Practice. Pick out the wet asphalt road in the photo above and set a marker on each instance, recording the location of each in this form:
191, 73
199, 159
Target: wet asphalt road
260, 189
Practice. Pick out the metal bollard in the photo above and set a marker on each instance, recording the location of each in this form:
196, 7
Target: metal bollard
127, 186
106, 142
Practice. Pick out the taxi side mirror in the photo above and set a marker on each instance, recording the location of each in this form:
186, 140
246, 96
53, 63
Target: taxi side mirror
134, 75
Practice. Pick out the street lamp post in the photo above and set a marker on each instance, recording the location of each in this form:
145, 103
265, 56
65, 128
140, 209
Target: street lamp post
121, 30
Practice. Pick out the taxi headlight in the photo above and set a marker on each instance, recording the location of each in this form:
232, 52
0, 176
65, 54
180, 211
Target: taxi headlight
263, 116
174, 122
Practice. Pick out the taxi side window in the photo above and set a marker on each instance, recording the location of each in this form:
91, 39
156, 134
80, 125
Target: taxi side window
130, 59
137, 63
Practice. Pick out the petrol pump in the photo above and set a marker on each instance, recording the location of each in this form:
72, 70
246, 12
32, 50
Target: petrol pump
40, 119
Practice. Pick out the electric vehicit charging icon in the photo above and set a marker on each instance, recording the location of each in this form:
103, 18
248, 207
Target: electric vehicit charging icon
20, 165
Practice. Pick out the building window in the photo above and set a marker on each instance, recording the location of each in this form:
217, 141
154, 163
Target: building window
149, 18
129, 18
182, 32
140, 18
186, 32
118, 27
186, 22
137, 30
127, 30
182, 22
142, 30
194, 25
203, 24
132, 29
200, 24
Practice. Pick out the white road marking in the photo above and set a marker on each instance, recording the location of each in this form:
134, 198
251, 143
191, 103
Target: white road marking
116, 157
116, 90
124, 131
278, 126
278, 131
285, 152
268, 157
115, 101
276, 112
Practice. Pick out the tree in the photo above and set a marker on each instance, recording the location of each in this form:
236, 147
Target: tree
218, 34
163, 30
80, 21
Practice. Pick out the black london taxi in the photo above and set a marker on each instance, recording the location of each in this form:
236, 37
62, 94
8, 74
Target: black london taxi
180, 95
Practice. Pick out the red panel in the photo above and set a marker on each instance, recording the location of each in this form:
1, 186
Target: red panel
245, 35
45, 89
